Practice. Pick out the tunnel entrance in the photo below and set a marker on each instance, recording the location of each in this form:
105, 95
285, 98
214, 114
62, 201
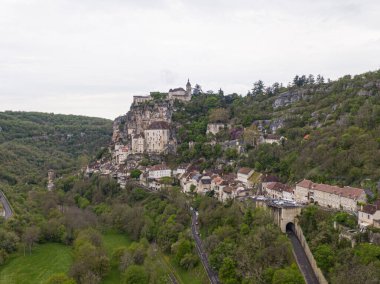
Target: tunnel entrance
290, 227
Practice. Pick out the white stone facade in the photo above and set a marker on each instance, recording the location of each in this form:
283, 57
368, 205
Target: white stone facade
244, 174
138, 144
159, 171
345, 198
156, 140
369, 215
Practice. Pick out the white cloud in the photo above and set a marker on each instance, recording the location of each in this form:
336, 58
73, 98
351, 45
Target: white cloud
90, 56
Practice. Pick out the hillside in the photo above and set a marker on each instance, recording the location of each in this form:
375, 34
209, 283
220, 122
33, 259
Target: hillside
31, 143
332, 129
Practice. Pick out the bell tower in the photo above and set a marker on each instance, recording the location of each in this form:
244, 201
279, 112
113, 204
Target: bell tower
188, 88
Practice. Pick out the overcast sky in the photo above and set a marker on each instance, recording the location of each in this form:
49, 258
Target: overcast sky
91, 56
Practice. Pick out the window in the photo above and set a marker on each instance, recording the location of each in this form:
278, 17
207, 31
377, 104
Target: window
368, 216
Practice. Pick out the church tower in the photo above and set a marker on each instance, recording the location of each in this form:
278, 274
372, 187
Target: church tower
188, 88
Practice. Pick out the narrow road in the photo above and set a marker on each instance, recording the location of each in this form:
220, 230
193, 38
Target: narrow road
302, 260
6, 205
212, 275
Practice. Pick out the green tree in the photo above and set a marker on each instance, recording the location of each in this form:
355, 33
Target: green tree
227, 272
136, 275
180, 249
288, 275
324, 255
135, 173
219, 115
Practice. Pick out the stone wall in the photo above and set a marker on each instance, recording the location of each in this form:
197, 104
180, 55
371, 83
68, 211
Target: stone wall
318, 272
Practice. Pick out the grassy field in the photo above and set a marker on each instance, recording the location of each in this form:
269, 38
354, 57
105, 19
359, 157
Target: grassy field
49, 259
45, 260
113, 241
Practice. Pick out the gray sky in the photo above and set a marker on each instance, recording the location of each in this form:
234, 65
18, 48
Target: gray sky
91, 56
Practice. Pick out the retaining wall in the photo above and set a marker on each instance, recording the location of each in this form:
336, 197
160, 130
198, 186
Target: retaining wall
318, 272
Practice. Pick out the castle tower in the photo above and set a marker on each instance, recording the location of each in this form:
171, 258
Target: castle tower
188, 88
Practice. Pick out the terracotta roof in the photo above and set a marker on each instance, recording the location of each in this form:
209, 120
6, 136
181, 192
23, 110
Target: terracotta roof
244, 171
371, 208
269, 178
160, 167
217, 180
278, 186
227, 189
158, 125
347, 191
229, 177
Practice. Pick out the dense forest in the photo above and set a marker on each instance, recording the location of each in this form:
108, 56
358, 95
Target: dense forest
32, 143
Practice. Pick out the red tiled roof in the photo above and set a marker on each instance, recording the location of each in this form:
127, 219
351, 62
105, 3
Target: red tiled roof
371, 208
244, 171
160, 167
269, 178
278, 186
347, 191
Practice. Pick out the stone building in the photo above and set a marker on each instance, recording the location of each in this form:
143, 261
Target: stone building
138, 144
157, 137
180, 93
244, 174
345, 198
278, 190
369, 215
141, 99
159, 171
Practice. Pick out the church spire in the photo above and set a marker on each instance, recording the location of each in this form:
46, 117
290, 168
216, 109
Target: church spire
188, 88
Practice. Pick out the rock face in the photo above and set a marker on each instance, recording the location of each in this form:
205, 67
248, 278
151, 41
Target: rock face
290, 97
141, 116
214, 128
145, 129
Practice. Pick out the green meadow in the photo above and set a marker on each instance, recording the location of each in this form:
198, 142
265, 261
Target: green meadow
45, 260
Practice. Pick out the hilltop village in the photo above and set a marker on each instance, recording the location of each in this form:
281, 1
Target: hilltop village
147, 134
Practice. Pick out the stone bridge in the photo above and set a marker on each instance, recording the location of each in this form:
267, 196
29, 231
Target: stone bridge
283, 212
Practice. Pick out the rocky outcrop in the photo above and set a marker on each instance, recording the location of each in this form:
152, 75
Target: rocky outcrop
290, 97
145, 128
141, 116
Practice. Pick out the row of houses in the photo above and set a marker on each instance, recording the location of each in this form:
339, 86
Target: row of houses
345, 198
221, 185
240, 184
342, 198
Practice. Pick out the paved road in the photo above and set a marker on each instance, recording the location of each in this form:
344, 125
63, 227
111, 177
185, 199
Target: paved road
302, 260
6, 205
212, 275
